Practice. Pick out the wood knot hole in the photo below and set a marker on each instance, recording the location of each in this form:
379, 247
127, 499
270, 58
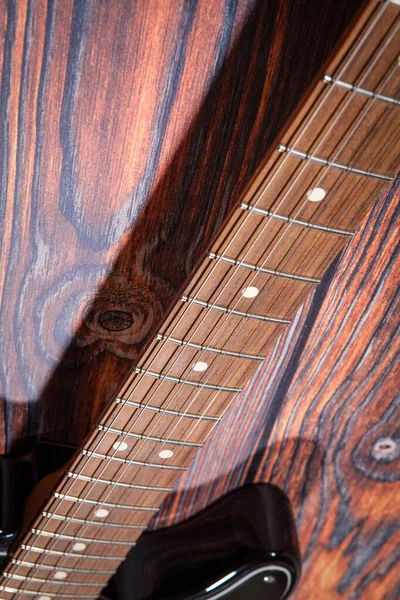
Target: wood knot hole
384, 448
115, 320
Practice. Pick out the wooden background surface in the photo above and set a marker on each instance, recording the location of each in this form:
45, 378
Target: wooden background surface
128, 130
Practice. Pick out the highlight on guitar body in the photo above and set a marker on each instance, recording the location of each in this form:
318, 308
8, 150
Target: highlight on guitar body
199, 325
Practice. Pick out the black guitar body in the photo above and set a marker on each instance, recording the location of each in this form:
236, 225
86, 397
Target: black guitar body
242, 547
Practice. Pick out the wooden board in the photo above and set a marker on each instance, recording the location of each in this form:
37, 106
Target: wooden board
320, 420
128, 131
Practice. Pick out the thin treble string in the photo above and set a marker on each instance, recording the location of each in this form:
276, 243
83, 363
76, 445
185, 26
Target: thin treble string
161, 378
392, 71
98, 523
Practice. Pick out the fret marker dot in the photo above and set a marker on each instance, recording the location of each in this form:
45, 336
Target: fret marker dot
43, 598
316, 194
200, 366
101, 513
79, 547
250, 292
60, 575
166, 454
120, 446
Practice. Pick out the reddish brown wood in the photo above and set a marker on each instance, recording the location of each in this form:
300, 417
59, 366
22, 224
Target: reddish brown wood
127, 131
132, 483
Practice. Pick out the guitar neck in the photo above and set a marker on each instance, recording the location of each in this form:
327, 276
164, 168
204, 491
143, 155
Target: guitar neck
327, 168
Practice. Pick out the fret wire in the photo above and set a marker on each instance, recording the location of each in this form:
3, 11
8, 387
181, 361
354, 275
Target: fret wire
48, 581
11, 590
173, 413
65, 536
132, 462
149, 438
360, 90
208, 386
238, 313
39, 550
109, 504
330, 163
91, 522
308, 224
30, 565
211, 349
360, 43
274, 272
134, 486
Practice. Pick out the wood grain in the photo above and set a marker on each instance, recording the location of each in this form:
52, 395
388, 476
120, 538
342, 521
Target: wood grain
320, 419
128, 131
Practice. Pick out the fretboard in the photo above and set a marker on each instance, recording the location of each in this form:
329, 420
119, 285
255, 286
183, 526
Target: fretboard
339, 152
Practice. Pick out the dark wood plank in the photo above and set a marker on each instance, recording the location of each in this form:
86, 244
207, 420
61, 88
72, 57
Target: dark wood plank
128, 131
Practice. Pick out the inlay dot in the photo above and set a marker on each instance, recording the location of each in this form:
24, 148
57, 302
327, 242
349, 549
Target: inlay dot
250, 292
43, 598
79, 547
120, 446
101, 513
165, 454
200, 366
385, 448
316, 194
60, 575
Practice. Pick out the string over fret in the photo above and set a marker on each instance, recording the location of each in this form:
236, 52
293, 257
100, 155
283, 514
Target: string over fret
39, 550
212, 349
31, 565
128, 461
208, 386
12, 590
29, 578
359, 90
91, 522
333, 164
237, 313
257, 269
292, 221
148, 438
64, 536
101, 503
133, 486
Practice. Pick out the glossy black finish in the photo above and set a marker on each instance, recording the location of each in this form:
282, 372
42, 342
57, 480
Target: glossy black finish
231, 543
18, 475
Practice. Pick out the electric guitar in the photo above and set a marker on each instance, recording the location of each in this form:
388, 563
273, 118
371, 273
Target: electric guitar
187, 351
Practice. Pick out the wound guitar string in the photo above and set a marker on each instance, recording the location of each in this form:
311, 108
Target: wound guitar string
262, 193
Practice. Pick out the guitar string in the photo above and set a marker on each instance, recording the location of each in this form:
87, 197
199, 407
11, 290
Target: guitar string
78, 555
181, 417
